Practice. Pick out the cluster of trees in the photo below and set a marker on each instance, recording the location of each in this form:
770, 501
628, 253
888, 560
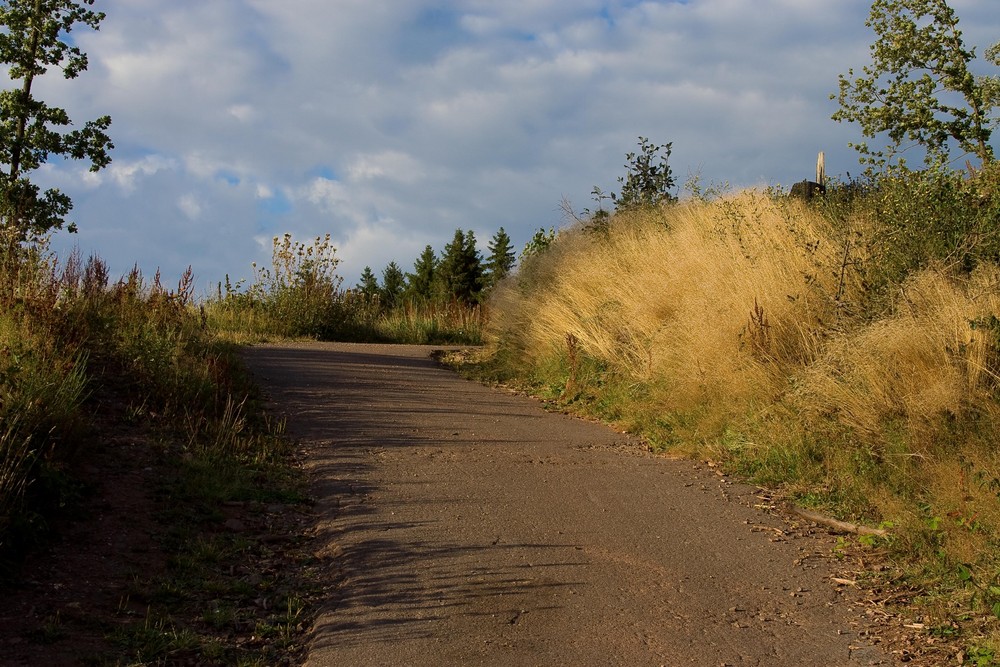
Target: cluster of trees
460, 274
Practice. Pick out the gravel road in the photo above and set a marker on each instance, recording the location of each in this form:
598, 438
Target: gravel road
466, 526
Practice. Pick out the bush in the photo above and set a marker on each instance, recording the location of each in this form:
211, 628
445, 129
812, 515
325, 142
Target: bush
906, 221
76, 349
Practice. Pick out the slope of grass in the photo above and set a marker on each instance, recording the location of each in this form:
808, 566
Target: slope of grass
804, 347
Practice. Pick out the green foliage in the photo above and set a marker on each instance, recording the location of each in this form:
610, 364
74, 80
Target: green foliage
368, 284
538, 243
420, 283
34, 40
298, 295
501, 258
393, 284
460, 271
648, 179
919, 87
916, 218
431, 323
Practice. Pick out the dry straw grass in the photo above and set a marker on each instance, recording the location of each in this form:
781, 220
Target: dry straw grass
710, 301
933, 357
742, 315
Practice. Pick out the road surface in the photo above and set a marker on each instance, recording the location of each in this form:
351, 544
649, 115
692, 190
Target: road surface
463, 525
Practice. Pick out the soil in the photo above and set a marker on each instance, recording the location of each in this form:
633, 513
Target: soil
75, 588
89, 594
464, 525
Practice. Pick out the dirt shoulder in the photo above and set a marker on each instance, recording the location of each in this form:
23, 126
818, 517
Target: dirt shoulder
139, 571
462, 525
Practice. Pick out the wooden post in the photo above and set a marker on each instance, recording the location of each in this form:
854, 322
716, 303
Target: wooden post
821, 170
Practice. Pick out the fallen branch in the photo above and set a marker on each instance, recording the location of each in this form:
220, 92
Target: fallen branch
842, 526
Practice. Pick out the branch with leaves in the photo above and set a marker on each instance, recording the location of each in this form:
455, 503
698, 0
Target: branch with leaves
34, 39
919, 89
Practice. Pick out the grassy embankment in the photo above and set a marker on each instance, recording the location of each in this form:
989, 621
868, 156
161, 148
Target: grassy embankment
97, 373
846, 352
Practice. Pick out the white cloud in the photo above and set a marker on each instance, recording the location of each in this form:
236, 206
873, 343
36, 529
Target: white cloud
389, 165
125, 172
243, 112
190, 206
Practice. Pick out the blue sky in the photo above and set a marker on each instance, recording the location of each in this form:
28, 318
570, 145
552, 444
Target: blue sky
390, 123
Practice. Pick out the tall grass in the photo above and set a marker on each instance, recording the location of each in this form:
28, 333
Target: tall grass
431, 323
808, 347
77, 348
713, 304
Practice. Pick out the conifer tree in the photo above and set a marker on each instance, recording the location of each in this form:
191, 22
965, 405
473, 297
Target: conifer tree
501, 258
460, 273
393, 283
420, 283
368, 285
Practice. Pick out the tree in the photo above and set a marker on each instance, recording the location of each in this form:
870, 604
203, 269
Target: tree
539, 243
460, 273
648, 179
368, 286
420, 283
501, 258
393, 283
919, 87
34, 40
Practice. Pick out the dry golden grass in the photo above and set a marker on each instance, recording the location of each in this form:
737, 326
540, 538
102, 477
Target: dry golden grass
712, 302
927, 360
740, 320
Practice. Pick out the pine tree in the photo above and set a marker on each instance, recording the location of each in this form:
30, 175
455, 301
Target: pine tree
460, 273
501, 259
393, 283
420, 283
368, 286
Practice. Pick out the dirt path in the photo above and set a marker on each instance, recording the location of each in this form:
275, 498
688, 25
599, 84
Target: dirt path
465, 526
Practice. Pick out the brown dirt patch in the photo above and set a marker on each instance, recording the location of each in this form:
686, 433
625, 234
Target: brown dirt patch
106, 590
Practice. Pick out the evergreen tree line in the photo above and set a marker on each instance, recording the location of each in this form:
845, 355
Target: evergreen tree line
459, 274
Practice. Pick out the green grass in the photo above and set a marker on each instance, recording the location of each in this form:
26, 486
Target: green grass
300, 296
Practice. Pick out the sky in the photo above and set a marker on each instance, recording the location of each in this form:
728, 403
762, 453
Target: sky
388, 124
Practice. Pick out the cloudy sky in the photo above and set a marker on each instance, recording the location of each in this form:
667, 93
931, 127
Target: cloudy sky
390, 123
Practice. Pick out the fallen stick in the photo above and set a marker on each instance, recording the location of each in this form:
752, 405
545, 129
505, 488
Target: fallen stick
842, 526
